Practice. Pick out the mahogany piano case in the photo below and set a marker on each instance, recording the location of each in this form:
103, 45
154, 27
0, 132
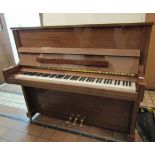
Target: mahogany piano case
86, 74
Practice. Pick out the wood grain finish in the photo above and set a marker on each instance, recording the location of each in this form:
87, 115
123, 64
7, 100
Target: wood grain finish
130, 64
123, 46
150, 69
98, 114
132, 36
81, 51
73, 62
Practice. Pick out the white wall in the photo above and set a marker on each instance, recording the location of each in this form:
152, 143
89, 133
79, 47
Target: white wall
20, 20
90, 18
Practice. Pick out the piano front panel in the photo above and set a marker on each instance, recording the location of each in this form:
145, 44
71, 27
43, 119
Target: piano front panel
102, 112
93, 37
112, 63
120, 36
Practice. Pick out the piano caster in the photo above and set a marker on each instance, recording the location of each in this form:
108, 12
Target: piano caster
70, 118
81, 121
75, 120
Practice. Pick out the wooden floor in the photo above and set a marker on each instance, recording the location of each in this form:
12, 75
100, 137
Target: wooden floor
15, 126
20, 130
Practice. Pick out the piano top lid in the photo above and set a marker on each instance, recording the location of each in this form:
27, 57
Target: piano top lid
86, 25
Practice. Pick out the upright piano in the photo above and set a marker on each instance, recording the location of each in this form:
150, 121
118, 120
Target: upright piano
89, 74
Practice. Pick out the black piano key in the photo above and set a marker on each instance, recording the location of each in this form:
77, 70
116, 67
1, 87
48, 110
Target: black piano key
105, 81
118, 82
39, 74
97, 80
33, 74
100, 80
72, 78
43, 75
84, 78
80, 79
92, 79
123, 83
60, 76
87, 79
47, 75
67, 77
130, 83
115, 82
126, 83
57, 76
110, 81
29, 73
52, 76
77, 78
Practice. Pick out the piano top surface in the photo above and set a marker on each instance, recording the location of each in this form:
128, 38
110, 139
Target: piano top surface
86, 25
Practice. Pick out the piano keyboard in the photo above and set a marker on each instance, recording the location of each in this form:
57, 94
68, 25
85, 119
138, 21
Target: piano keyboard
120, 85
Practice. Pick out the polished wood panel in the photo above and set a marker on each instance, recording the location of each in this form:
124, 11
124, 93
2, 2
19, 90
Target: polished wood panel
123, 46
150, 68
119, 37
62, 61
84, 105
82, 51
114, 63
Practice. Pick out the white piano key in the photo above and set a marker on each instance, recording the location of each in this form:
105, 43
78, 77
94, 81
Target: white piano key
102, 85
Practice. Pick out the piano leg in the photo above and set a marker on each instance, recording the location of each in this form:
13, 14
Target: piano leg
31, 101
131, 136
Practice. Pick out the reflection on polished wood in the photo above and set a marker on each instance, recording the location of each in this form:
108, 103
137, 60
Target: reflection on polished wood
91, 74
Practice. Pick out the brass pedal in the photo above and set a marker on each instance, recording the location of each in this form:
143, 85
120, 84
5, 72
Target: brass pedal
70, 118
82, 120
75, 120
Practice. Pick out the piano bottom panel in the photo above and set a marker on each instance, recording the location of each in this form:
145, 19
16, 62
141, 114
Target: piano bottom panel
98, 111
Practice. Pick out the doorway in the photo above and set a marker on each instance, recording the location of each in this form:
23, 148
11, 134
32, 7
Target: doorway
11, 96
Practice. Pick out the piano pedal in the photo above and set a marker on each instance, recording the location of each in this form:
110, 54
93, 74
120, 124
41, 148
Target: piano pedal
70, 119
82, 120
76, 120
